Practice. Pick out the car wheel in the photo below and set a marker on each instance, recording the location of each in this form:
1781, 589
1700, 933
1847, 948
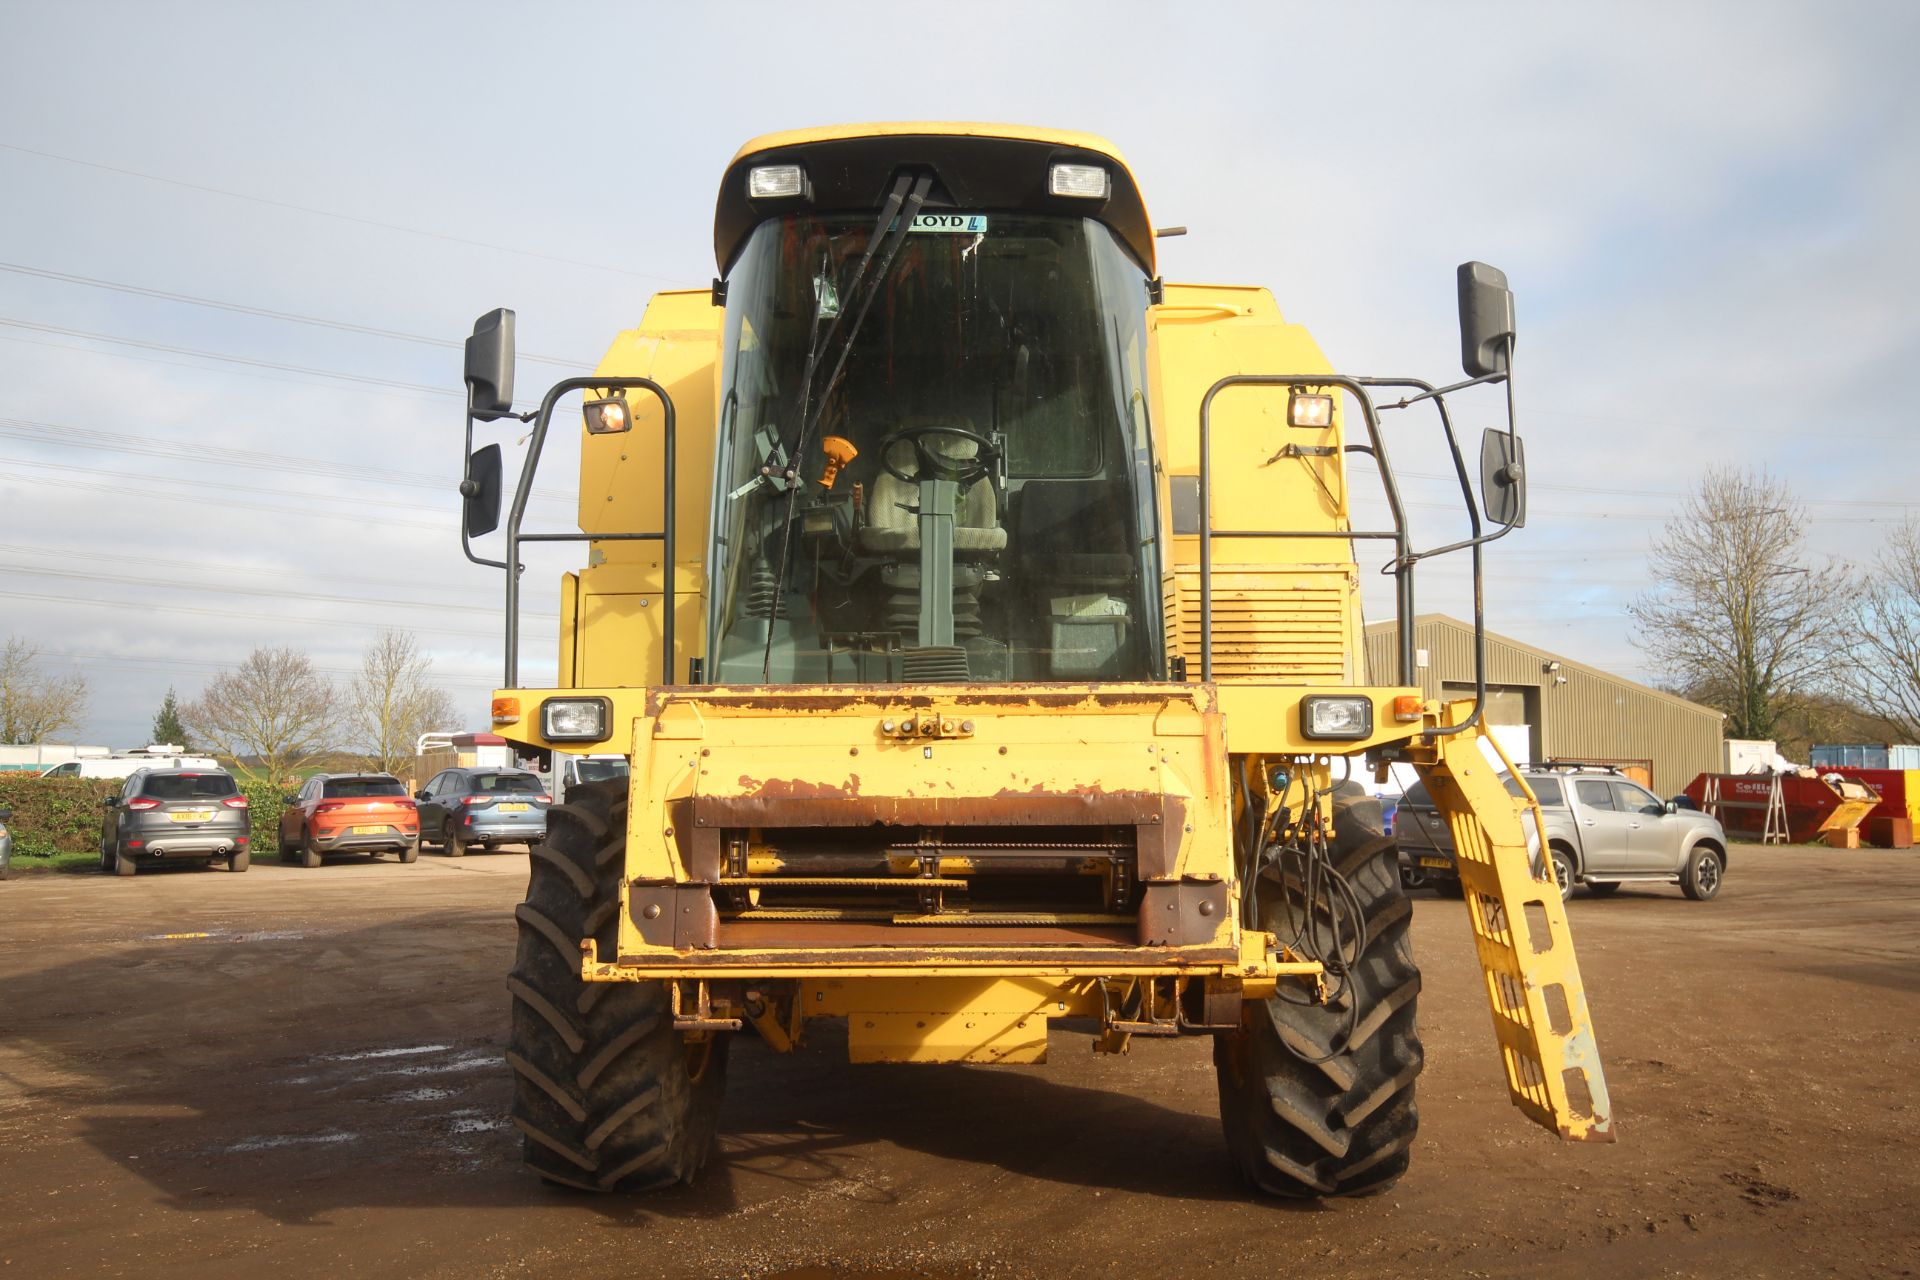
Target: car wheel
1705, 869
1413, 875
240, 860
106, 858
1563, 871
451, 843
122, 864
410, 852
1603, 888
309, 856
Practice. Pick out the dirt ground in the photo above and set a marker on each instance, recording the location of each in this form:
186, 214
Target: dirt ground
316, 1087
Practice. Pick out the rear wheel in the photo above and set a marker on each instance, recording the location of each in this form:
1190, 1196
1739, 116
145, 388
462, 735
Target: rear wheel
240, 860
1318, 1099
410, 852
122, 864
608, 1096
309, 856
1705, 869
450, 842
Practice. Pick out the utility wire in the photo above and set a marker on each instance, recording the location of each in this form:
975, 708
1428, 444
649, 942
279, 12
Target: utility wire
337, 216
240, 308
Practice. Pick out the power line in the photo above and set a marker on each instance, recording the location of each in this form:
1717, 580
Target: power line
244, 309
94, 602
341, 217
127, 580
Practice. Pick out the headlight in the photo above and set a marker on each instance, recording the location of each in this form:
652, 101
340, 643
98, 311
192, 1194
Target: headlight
574, 719
1309, 409
1336, 717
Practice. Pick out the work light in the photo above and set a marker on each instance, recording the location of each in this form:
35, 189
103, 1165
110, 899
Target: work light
574, 719
608, 417
1324, 716
1081, 181
776, 181
1309, 409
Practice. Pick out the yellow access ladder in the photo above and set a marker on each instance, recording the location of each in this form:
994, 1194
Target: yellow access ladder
1520, 932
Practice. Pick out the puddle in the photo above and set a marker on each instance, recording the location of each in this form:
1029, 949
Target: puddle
425, 1094
368, 1054
291, 1140
471, 1062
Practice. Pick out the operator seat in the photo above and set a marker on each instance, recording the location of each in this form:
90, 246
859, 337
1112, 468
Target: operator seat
893, 509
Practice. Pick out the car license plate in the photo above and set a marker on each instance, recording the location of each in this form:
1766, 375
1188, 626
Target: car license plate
511, 808
192, 815
369, 831
1441, 863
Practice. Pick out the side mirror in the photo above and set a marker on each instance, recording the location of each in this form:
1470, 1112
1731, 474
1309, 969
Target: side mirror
107, 802
481, 491
419, 795
1672, 807
1486, 319
1503, 478
490, 366
289, 797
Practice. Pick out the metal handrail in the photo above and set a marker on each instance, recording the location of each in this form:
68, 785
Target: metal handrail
525, 488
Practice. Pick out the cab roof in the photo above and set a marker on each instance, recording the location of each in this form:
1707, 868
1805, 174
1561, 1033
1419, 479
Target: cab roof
976, 166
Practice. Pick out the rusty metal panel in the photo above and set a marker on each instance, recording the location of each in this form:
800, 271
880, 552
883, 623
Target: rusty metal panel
1183, 913
674, 915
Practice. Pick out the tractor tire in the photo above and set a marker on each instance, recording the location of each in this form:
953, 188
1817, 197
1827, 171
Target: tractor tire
608, 1096
1318, 1099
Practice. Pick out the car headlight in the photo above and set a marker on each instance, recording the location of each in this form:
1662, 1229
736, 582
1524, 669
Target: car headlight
574, 719
1336, 717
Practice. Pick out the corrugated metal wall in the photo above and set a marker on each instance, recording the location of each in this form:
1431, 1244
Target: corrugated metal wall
1593, 715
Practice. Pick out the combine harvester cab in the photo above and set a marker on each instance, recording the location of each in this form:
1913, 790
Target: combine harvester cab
995, 658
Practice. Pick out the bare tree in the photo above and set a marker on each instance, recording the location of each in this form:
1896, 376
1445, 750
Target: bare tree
391, 703
1883, 673
274, 707
1736, 617
34, 705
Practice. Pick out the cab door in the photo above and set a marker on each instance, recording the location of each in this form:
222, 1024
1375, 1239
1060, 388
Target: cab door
1653, 835
1605, 831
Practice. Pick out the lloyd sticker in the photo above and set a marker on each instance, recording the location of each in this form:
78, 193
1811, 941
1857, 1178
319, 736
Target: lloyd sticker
974, 224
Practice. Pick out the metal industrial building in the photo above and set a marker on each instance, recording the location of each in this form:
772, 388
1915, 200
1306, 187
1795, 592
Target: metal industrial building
1572, 711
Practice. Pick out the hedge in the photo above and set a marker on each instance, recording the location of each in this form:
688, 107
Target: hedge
62, 815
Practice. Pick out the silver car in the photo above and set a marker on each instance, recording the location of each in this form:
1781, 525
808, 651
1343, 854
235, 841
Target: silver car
467, 808
175, 815
1603, 830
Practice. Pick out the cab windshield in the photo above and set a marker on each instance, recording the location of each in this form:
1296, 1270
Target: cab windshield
933, 460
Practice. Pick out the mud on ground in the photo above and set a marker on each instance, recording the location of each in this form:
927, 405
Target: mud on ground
315, 1086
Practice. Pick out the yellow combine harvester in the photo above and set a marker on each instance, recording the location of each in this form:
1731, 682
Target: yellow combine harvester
998, 660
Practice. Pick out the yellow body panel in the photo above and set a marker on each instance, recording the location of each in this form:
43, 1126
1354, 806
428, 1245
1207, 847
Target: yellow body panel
610, 610
1283, 608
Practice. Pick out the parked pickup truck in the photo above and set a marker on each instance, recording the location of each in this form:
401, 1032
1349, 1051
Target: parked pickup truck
1603, 831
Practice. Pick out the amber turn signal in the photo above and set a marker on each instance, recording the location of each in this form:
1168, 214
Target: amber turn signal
506, 711
1406, 707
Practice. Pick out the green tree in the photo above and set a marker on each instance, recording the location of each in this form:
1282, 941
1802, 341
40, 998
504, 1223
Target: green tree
166, 723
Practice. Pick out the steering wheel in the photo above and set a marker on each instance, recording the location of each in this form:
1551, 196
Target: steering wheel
935, 466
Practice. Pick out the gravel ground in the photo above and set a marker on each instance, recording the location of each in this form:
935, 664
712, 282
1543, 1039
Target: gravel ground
296, 1072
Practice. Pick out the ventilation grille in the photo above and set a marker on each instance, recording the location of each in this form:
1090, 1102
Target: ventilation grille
1271, 626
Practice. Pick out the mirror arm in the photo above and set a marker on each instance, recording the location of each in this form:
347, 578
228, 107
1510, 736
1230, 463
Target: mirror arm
1430, 393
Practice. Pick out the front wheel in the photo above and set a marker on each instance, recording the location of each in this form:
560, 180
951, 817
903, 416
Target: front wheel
1318, 1099
1705, 870
608, 1096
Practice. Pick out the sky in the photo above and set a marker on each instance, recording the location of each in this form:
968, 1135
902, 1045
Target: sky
1706, 212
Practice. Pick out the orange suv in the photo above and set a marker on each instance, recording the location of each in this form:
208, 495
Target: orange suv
349, 813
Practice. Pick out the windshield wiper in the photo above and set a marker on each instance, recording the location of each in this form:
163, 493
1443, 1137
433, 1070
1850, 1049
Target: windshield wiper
892, 226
